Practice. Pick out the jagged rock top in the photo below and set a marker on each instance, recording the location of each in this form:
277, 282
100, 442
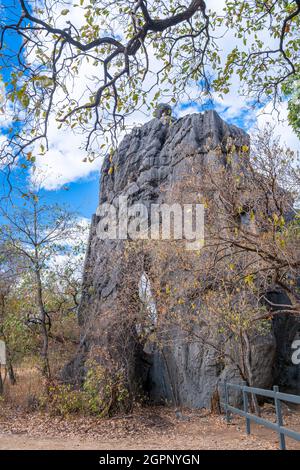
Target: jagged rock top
148, 154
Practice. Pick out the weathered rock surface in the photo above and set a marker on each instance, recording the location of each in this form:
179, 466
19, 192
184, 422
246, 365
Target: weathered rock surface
150, 161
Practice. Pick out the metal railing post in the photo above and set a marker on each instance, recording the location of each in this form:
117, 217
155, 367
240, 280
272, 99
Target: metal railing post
246, 408
227, 403
279, 418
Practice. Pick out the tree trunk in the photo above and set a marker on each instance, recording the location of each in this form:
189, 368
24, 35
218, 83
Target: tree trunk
45, 333
215, 405
9, 366
247, 358
11, 373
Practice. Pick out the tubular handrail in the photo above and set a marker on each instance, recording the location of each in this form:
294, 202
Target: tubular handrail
276, 395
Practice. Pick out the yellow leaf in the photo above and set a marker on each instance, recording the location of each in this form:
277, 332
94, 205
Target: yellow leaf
249, 279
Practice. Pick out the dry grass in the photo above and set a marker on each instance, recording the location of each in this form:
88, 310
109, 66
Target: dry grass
30, 386
26, 392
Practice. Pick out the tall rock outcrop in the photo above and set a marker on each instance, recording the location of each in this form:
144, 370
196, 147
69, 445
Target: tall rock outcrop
150, 162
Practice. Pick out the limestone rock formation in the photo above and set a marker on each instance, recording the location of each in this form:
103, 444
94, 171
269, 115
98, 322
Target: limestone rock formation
148, 164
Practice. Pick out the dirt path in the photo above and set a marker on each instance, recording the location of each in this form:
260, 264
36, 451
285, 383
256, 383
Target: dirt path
149, 428
162, 443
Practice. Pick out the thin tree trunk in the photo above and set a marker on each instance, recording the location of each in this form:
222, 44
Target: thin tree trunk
45, 333
11, 373
42, 311
247, 357
9, 366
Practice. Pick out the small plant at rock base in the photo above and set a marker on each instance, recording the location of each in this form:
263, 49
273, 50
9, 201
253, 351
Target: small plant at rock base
104, 391
103, 394
64, 400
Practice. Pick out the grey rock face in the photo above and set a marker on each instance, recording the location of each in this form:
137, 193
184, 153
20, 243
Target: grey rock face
287, 330
148, 164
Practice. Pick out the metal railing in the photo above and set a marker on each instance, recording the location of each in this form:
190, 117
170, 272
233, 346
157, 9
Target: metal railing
278, 398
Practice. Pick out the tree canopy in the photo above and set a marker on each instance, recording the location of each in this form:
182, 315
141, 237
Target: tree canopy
90, 64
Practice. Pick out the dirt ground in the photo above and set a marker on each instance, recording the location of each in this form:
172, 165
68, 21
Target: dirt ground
147, 428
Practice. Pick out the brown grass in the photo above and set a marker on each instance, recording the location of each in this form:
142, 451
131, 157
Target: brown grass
26, 392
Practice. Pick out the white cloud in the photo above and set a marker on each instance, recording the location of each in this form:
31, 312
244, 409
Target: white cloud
74, 258
63, 162
6, 111
6, 121
280, 120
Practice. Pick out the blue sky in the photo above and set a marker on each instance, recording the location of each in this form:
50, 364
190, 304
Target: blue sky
82, 193
82, 179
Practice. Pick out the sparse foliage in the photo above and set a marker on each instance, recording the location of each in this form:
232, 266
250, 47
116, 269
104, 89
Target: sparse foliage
91, 64
40, 234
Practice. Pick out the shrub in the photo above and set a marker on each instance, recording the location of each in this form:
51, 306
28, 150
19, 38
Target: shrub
104, 390
103, 394
63, 400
